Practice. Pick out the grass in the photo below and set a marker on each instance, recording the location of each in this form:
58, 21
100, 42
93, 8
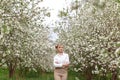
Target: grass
45, 76
3, 75
33, 76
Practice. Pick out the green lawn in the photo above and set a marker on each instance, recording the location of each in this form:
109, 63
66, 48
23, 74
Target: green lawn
33, 76
45, 76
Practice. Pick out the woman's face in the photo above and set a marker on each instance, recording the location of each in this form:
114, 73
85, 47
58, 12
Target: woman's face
59, 49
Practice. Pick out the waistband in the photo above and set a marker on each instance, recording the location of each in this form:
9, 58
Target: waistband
59, 68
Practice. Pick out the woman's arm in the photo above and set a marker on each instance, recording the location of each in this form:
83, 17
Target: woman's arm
56, 63
67, 62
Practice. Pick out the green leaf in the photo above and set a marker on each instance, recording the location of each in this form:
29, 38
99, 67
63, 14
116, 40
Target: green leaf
118, 1
62, 14
48, 14
4, 28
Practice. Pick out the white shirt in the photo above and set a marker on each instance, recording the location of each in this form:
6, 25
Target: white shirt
60, 59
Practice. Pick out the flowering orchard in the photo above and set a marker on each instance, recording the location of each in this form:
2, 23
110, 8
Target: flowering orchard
24, 40
92, 37
89, 30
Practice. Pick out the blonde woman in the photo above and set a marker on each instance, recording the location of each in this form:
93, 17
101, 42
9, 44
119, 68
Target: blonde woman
61, 63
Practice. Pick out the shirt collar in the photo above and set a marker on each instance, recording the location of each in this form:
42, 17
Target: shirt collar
59, 54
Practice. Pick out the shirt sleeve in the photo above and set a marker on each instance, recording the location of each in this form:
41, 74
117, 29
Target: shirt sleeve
67, 59
56, 63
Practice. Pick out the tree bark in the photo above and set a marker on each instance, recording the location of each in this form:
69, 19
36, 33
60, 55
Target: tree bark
88, 74
114, 75
11, 69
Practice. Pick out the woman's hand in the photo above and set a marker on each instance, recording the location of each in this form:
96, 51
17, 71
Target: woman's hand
65, 65
57, 62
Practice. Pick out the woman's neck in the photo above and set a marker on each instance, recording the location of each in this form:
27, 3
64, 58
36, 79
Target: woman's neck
60, 53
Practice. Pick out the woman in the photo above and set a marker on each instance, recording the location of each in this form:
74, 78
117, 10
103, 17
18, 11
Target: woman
61, 63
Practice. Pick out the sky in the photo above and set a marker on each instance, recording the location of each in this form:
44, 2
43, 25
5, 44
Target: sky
55, 6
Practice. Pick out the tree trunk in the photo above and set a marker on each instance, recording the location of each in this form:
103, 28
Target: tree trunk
11, 69
88, 74
11, 73
114, 75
